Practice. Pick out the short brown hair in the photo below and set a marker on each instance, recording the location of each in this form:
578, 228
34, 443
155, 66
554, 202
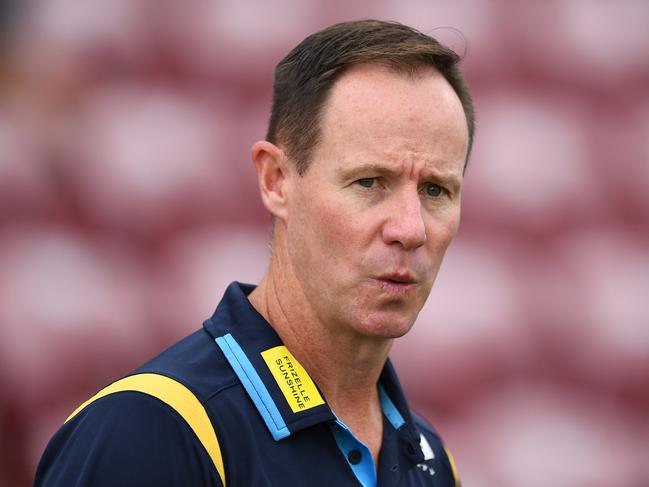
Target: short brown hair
305, 77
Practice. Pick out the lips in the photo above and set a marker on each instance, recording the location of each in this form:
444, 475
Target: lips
396, 284
398, 278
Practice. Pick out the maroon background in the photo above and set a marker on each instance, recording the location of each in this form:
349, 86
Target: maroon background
128, 201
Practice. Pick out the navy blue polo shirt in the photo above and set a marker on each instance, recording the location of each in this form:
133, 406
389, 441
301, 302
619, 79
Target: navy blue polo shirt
273, 424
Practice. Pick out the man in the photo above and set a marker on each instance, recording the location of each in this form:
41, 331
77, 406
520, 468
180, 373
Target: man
289, 383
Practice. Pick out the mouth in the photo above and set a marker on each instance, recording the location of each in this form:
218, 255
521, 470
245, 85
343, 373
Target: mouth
397, 278
396, 284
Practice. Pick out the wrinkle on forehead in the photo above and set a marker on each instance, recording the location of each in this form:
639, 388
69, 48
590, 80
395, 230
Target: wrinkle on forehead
414, 167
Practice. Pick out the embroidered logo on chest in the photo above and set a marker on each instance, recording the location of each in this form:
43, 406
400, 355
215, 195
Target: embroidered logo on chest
427, 450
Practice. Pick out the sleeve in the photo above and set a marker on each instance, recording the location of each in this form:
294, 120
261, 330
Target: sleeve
450, 461
126, 439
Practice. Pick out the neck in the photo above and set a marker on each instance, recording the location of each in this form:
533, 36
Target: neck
345, 366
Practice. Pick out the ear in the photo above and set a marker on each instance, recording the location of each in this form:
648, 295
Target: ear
272, 172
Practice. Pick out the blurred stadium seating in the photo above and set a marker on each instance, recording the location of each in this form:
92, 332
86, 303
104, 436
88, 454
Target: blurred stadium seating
128, 202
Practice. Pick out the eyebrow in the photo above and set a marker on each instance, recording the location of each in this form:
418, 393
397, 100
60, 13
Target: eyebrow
346, 174
354, 172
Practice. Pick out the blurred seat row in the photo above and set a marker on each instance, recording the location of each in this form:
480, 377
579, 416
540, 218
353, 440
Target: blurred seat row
128, 202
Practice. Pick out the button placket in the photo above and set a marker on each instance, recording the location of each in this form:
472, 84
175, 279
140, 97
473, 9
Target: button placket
354, 457
356, 454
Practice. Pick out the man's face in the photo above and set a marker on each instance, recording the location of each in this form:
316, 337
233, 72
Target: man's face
370, 220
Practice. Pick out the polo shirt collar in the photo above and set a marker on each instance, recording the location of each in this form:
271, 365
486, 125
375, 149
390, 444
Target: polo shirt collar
280, 388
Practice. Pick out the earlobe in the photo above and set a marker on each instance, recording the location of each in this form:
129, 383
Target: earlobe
272, 171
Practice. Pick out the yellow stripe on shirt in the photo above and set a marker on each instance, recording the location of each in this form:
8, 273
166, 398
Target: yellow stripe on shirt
177, 396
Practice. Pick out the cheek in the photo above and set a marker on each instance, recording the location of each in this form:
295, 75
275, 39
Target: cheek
335, 228
439, 237
446, 235
443, 231
322, 233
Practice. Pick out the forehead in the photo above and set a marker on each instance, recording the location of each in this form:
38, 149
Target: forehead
373, 108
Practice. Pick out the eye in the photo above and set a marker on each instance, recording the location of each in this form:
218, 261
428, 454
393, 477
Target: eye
366, 182
434, 190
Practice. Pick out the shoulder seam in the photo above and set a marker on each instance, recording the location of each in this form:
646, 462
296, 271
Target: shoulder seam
206, 398
221, 389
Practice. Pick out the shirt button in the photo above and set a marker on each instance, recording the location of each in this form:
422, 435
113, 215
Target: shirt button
354, 457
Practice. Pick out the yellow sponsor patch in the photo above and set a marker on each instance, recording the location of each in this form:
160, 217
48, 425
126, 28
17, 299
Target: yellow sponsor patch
296, 385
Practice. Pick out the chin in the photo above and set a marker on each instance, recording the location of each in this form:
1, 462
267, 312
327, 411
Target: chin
385, 327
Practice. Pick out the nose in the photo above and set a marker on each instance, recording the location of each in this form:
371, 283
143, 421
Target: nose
405, 223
